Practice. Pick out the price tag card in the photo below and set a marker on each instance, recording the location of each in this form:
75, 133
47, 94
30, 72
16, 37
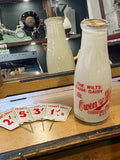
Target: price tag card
23, 114
57, 112
38, 111
8, 120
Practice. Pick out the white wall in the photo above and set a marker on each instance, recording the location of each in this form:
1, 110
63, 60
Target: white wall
93, 9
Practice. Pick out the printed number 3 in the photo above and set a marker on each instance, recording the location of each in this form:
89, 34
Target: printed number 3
37, 111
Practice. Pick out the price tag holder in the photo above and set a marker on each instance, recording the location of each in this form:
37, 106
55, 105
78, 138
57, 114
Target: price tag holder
38, 111
8, 120
17, 116
57, 112
23, 114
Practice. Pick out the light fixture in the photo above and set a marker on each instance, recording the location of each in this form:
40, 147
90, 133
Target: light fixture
26, 0
33, 43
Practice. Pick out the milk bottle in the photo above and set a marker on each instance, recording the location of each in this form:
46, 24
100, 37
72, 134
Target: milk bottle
92, 81
59, 54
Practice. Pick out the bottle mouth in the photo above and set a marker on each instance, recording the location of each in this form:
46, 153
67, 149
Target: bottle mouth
95, 23
53, 20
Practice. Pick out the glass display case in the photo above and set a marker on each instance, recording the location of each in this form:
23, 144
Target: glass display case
23, 43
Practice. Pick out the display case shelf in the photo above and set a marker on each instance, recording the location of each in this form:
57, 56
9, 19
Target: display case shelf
7, 1
114, 42
21, 43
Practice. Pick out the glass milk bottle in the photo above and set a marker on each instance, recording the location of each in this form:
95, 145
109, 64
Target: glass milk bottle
92, 81
59, 54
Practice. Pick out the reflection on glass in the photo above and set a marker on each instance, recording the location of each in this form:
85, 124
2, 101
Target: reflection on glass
13, 65
59, 54
19, 64
112, 14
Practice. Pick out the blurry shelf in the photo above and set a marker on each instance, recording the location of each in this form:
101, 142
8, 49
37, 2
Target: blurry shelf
20, 43
73, 36
8, 1
113, 42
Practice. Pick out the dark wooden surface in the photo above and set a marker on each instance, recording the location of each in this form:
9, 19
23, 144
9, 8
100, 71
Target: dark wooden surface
74, 145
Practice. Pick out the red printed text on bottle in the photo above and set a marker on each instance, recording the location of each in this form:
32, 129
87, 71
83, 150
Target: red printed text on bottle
100, 106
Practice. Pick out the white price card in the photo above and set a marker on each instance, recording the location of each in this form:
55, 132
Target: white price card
8, 120
38, 111
57, 112
23, 114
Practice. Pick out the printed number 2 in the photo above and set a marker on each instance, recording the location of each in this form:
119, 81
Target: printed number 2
8, 121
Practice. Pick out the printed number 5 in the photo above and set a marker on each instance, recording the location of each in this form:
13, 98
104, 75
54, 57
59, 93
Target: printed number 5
22, 114
8, 121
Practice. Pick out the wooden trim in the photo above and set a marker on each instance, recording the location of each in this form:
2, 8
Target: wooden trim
43, 82
0, 79
115, 70
63, 143
47, 7
21, 43
30, 85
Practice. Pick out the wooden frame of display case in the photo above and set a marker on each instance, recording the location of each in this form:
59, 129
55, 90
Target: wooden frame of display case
36, 83
43, 82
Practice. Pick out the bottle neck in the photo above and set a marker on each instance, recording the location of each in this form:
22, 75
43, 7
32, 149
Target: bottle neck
94, 39
55, 31
94, 43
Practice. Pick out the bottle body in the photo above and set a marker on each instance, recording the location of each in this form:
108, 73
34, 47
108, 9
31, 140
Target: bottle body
59, 54
92, 82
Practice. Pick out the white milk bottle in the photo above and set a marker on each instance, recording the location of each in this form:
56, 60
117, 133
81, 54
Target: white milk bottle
59, 54
92, 81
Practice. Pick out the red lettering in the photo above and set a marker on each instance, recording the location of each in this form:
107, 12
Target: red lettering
107, 94
37, 111
52, 111
62, 114
81, 105
79, 95
80, 87
22, 114
90, 106
63, 107
1, 116
8, 121
80, 84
